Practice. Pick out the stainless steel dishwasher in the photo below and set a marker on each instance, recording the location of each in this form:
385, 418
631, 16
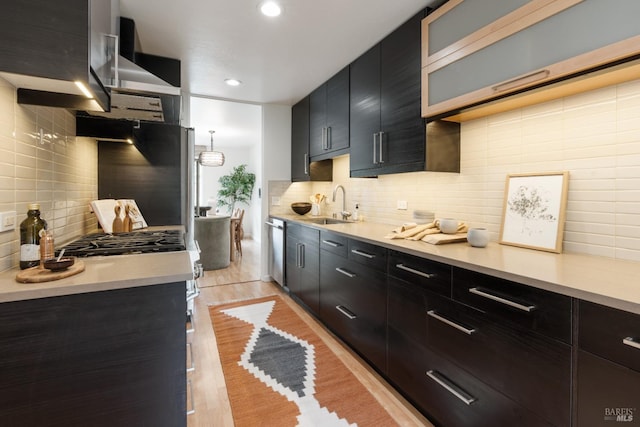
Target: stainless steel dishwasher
276, 249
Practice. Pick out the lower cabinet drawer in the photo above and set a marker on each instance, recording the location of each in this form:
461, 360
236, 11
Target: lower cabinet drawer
610, 333
448, 395
353, 304
430, 275
531, 369
608, 393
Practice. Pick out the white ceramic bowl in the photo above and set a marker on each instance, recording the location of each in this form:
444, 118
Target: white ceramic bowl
478, 237
448, 225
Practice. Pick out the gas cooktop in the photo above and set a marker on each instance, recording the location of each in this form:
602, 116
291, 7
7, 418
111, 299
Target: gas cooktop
137, 242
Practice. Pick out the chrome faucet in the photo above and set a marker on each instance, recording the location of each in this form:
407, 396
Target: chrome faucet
345, 214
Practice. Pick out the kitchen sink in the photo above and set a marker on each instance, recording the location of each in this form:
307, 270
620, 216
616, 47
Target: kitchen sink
327, 221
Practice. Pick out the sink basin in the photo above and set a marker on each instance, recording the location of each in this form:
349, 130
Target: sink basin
326, 221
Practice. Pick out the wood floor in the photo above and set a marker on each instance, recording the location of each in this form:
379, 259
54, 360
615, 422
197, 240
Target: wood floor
240, 282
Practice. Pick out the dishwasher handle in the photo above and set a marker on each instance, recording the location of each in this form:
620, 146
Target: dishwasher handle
271, 224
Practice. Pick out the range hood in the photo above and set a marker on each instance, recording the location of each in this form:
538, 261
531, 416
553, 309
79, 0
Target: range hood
137, 94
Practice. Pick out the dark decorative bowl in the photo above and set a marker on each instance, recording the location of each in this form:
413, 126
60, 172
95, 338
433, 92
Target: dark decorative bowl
54, 265
301, 208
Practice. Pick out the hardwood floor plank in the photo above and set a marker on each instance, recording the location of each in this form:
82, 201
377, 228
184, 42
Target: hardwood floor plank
212, 407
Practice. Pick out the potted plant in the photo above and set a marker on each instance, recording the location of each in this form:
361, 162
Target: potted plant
236, 187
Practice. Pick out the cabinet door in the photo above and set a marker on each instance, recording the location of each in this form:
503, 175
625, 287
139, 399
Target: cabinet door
300, 141
353, 302
302, 265
317, 120
365, 111
403, 139
470, 75
338, 111
292, 269
607, 393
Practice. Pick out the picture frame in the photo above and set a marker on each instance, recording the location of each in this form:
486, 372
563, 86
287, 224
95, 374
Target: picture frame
534, 210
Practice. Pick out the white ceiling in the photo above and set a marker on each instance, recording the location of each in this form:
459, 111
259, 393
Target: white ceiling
279, 60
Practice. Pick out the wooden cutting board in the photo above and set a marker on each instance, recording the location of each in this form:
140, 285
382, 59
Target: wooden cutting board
441, 239
40, 274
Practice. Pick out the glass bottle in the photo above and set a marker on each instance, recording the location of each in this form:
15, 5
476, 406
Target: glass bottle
30, 232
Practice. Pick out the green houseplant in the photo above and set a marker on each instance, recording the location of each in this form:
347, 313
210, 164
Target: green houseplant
236, 187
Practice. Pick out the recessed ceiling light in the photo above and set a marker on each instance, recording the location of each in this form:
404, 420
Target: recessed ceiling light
233, 82
270, 8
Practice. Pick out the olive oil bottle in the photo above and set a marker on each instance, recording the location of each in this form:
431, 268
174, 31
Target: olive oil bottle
30, 231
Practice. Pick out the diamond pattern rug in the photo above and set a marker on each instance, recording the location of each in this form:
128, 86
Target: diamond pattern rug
278, 372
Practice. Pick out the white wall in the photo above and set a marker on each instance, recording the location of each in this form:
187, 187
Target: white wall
595, 136
276, 164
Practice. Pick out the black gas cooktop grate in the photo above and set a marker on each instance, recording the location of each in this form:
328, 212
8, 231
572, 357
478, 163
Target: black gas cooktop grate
125, 243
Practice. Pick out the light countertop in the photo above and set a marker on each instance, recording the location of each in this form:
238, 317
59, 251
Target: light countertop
607, 281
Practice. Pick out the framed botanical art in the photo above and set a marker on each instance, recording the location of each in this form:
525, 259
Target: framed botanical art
534, 210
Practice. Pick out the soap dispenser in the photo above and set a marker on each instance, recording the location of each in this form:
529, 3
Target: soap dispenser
355, 213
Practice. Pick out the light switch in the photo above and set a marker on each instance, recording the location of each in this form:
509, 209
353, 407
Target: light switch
275, 201
402, 205
7, 221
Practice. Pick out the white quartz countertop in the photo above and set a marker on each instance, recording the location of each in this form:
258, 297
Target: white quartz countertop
103, 273
607, 281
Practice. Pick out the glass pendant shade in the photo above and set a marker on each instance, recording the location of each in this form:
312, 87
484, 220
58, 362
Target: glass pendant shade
211, 158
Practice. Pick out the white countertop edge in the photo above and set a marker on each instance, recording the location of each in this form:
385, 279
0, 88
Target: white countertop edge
104, 273
607, 281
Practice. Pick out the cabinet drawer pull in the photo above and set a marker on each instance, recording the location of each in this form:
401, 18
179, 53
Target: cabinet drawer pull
306, 163
345, 272
346, 312
411, 270
451, 387
631, 342
527, 308
381, 159
329, 144
435, 315
364, 254
521, 81
331, 243
375, 162
193, 363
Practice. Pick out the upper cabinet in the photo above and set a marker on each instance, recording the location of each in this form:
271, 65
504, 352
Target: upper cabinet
329, 117
48, 48
301, 167
474, 52
387, 132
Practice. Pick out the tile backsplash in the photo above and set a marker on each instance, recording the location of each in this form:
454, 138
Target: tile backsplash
41, 160
595, 136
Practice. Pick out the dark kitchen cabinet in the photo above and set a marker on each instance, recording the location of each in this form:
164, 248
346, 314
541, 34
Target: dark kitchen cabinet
301, 167
108, 358
353, 304
63, 41
303, 263
387, 133
608, 367
329, 117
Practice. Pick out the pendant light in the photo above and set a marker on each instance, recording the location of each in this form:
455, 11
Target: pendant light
211, 158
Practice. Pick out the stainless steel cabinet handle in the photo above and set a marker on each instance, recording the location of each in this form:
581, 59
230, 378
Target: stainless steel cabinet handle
451, 387
346, 312
345, 272
375, 162
527, 308
193, 404
411, 270
191, 322
364, 254
329, 138
306, 163
631, 342
323, 139
271, 224
302, 255
193, 363
520, 81
435, 315
380, 146
331, 243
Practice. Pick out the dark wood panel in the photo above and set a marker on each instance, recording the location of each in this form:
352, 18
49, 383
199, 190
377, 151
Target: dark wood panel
608, 393
149, 172
332, 242
300, 141
551, 314
317, 119
430, 275
100, 359
338, 110
303, 264
373, 256
529, 368
603, 329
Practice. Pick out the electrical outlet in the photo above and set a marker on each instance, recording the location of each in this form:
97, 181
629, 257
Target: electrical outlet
402, 205
7, 221
275, 201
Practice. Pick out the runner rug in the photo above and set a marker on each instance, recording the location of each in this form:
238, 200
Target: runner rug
278, 372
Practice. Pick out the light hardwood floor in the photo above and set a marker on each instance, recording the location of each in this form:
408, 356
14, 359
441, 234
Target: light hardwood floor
212, 408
